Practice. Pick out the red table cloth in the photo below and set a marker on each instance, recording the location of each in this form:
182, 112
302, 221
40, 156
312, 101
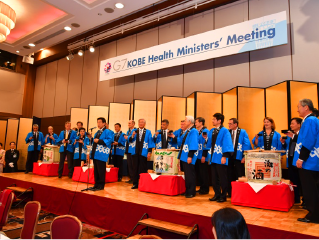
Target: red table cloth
171, 185
80, 176
274, 197
49, 169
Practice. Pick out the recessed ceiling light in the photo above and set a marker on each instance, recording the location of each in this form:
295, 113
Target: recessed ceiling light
68, 28
92, 49
31, 44
119, 5
17, 51
41, 49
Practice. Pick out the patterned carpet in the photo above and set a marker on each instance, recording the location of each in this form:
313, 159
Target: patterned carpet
15, 223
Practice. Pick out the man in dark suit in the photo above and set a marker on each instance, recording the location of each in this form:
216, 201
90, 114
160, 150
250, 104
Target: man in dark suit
290, 144
11, 158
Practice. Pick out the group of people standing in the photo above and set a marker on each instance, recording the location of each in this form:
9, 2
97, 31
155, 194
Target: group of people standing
9, 159
219, 150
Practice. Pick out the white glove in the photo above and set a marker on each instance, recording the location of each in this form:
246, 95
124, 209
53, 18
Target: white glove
11, 164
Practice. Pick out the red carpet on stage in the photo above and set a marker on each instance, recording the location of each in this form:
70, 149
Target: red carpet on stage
120, 216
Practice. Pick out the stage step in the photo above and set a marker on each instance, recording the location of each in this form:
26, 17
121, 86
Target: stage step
167, 226
20, 189
136, 237
22, 194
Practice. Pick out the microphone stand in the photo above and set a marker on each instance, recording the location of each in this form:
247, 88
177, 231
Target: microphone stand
91, 147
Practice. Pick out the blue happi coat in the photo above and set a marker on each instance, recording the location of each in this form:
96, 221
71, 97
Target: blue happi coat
120, 148
129, 135
69, 146
31, 142
223, 145
308, 138
287, 142
202, 143
102, 151
148, 143
86, 142
158, 141
178, 134
50, 141
243, 144
275, 143
191, 143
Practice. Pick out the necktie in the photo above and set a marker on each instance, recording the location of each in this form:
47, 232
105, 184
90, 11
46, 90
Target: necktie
164, 139
233, 136
66, 136
141, 134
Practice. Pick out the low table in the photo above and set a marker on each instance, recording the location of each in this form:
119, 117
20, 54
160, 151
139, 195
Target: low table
278, 197
80, 174
171, 185
49, 169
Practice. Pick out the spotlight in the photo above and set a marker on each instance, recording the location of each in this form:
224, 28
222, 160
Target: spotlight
17, 51
91, 48
119, 5
41, 49
81, 53
70, 57
31, 44
67, 28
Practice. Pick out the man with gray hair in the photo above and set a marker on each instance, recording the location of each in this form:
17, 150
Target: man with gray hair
306, 158
35, 140
141, 145
188, 155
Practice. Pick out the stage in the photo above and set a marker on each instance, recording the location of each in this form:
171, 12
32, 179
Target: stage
118, 208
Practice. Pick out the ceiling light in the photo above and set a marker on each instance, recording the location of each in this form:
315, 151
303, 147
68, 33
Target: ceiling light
119, 5
70, 57
67, 28
17, 51
91, 48
81, 53
7, 20
41, 49
31, 44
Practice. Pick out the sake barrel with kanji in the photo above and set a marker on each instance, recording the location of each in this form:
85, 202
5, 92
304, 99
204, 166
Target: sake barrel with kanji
166, 162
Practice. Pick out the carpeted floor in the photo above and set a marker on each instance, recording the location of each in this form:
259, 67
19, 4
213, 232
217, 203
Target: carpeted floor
15, 224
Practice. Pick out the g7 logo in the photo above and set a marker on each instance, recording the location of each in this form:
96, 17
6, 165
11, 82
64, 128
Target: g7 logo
119, 64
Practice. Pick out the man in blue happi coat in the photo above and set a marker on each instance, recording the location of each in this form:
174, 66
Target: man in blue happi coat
34, 140
118, 149
306, 158
188, 155
141, 145
128, 148
66, 141
201, 165
241, 143
221, 148
101, 149
162, 138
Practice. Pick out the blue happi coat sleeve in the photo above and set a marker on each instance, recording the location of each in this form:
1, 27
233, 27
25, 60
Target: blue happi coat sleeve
41, 138
122, 140
151, 143
308, 133
73, 137
30, 134
227, 143
260, 141
246, 142
193, 140
60, 138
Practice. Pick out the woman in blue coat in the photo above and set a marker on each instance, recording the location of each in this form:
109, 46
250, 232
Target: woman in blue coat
268, 139
80, 147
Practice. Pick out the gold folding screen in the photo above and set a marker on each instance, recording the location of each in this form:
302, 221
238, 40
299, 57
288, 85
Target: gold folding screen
3, 130
251, 109
79, 114
25, 126
12, 132
230, 104
190, 108
300, 90
119, 113
147, 110
173, 109
206, 105
94, 113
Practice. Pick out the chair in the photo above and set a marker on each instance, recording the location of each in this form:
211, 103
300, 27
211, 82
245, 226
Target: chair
6, 200
150, 237
31, 217
66, 227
